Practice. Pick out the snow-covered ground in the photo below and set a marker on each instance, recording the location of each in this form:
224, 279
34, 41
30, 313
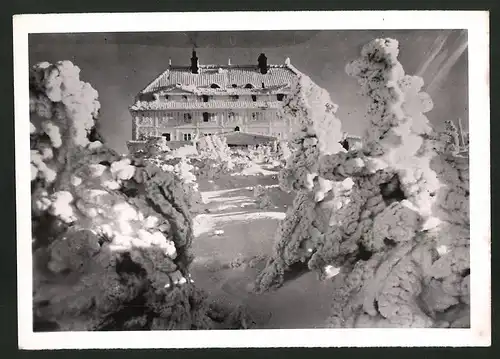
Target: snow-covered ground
233, 239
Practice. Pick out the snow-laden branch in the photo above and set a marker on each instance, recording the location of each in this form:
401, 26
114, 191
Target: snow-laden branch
389, 222
111, 234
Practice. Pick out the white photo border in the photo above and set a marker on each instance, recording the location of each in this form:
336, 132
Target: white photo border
477, 25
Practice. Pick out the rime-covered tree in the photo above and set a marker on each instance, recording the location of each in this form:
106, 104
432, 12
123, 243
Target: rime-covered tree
390, 221
111, 235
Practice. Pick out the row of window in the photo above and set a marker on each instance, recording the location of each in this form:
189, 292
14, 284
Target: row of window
205, 98
212, 117
187, 136
148, 120
207, 117
247, 86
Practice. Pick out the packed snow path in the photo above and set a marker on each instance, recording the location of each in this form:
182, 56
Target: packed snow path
233, 239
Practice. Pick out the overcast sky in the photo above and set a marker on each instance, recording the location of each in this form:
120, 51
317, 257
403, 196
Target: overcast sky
118, 66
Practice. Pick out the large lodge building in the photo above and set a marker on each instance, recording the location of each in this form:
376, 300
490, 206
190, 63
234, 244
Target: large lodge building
240, 102
188, 101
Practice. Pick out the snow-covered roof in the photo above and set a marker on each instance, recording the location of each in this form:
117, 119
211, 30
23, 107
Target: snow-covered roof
179, 89
224, 76
214, 105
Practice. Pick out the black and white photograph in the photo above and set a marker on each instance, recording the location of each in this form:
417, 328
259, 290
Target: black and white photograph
315, 182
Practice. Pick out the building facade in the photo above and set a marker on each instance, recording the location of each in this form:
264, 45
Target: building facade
185, 102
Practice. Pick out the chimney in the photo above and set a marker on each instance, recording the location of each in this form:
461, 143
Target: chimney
229, 61
170, 62
262, 63
194, 63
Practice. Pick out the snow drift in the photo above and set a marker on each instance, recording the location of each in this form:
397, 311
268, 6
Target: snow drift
389, 222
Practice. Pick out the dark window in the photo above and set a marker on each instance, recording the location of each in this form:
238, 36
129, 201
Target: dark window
167, 136
214, 86
235, 97
205, 116
249, 86
263, 85
254, 98
237, 128
205, 98
234, 85
280, 96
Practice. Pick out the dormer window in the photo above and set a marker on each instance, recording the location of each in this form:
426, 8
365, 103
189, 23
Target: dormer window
188, 118
235, 97
280, 96
249, 86
254, 98
214, 86
205, 98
